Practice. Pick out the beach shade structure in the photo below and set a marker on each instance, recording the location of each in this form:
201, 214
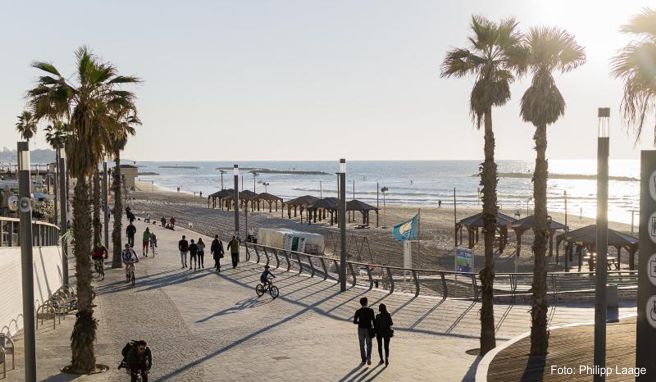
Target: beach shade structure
586, 237
522, 225
475, 222
225, 198
320, 207
247, 196
269, 198
301, 203
363, 208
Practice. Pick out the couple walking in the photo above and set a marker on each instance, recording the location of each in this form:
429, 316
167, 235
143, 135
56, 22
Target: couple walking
196, 253
370, 325
218, 252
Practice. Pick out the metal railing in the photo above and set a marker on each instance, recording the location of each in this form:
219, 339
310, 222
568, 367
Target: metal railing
6, 348
43, 234
430, 282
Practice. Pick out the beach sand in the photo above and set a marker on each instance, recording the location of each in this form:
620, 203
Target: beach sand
435, 250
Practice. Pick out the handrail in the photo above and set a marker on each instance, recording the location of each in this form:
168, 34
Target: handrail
430, 281
43, 233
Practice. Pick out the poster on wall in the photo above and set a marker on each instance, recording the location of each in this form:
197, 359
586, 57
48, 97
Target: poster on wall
464, 260
294, 243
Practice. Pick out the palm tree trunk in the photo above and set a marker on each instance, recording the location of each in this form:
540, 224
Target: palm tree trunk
97, 225
84, 331
118, 213
539, 338
489, 184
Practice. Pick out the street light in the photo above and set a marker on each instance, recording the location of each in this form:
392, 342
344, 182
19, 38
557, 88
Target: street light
235, 172
222, 172
602, 241
105, 196
254, 175
384, 190
25, 208
342, 224
63, 226
266, 185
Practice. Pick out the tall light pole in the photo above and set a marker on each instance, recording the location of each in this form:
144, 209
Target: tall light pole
377, 206
222, 172
254, 175
105, 197
602, 242
235, 172
63, 226
25, 207
384, 190
342, 224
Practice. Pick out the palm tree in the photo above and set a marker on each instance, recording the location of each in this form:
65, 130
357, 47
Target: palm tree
82, 104
26, 125
56, 138
488, 60
544, 51
635, 66
125, 120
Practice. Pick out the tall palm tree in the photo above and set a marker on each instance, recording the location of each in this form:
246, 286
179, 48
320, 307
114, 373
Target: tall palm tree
56, 138
635, 66
81, 103
544, 51
26, 125
125, 120
488, 61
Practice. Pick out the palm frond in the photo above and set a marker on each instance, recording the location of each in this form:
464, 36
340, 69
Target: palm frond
643, 23
46, 67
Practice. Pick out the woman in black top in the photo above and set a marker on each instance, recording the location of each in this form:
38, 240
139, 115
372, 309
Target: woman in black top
384, 332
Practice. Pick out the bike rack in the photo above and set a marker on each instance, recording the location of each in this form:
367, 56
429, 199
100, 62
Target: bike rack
5, 340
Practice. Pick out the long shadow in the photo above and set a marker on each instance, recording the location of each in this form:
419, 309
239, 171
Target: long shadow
246, 338
503, 318
352, 377
351, 373
462, 315
120, 282
404, 305
471, 372
368, 373
422, 318
239, 306
534, 370
150, 284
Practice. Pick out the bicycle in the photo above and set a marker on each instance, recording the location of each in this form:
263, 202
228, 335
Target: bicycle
130, 275
260, 290
99, 267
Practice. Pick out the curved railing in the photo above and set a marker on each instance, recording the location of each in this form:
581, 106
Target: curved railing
431, 282
43, 234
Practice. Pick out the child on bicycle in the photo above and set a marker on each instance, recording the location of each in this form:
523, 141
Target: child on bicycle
264, 277
128, 256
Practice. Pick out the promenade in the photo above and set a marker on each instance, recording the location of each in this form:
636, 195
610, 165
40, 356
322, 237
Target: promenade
204, 326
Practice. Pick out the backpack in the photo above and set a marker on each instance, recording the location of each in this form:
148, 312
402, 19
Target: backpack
128, 347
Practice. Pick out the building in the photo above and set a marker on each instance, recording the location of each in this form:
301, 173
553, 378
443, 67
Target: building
129, 173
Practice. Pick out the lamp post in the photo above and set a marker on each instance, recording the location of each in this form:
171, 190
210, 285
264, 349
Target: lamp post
25, 208
254, 175
384, 190
235, 172
342, 224
566, 232
602, 242
63, 226
266, 185
105, 196
222, 172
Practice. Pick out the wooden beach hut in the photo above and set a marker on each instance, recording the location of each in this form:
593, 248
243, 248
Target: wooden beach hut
320, 207
301, 203
269, 198
475, 222
522, 225
363, 208
586, 237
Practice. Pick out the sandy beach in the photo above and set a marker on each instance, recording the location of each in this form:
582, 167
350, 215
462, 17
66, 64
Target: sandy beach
435, 250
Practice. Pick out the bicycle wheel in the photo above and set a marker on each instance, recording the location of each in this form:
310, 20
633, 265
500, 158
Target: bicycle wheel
259, 289
273, 291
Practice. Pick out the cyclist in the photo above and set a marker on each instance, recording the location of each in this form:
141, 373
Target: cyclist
129, 257
139, 360
265, 279
98, 254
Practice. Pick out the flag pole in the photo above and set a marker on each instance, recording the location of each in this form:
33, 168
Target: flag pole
418, 238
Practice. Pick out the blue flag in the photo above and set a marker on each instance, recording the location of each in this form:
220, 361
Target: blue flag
407, 230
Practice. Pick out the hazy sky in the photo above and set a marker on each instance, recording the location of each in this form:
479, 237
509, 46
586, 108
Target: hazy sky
320, 80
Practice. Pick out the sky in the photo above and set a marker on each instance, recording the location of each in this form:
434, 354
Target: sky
314, 80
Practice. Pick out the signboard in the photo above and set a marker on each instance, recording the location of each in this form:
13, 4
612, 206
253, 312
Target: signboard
464, 260
294, 243
646, 323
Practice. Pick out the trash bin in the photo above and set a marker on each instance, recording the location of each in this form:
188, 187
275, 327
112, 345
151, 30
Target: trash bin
612, 302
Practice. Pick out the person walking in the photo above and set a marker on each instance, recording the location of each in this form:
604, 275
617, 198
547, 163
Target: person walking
201, 253
233, 246
145, 242
217, 252
183, 247
384, 332
364, 318
130, 231
193, 252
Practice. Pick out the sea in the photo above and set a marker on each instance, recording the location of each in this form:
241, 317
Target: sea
415, 183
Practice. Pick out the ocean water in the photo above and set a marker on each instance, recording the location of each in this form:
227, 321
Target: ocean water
418, 183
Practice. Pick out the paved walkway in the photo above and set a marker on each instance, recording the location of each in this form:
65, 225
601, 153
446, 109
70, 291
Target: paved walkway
204, 326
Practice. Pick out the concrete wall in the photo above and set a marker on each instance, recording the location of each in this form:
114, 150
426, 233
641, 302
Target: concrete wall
47, 279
